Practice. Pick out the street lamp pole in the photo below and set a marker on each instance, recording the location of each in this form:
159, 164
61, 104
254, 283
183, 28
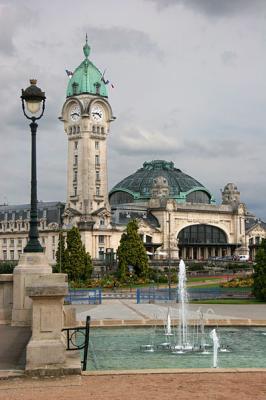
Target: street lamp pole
169, 257
33, 97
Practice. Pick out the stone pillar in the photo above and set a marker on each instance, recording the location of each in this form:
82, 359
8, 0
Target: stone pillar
30, 267
6, 298
46, 349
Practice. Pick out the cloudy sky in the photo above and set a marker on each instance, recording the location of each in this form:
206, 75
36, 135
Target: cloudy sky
190, 86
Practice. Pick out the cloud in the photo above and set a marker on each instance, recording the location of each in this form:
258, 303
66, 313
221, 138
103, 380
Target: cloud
228, 58
12, 19
221, 148
119, 39
139, 140
214, 8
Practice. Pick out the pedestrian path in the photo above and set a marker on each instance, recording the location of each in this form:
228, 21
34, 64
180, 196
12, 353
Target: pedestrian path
123, 312
13, 347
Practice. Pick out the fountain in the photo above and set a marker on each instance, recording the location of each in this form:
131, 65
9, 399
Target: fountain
183, 344
180, 338
168, 325
216, 346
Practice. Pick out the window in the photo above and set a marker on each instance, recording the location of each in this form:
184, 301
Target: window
101, 253
75, 191
76, 145
53, 239
101, 239
202, 234
97, 160
78, 129
11, 254
97, 175
257, 240
96, 145
75, 160
19, 242
11, 242
102, 129
75, 178
98, 129
4, 254
53, 254
97, 191
19, 253
70, 130
43, 240
93, 128
102, 222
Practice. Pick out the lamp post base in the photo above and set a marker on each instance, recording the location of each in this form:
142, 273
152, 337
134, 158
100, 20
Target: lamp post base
31, 266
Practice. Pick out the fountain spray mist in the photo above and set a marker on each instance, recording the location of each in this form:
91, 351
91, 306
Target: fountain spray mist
216, 345
183, 300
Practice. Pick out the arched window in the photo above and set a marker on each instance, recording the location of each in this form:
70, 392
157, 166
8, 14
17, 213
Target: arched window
202, 234
198, 197
120, 198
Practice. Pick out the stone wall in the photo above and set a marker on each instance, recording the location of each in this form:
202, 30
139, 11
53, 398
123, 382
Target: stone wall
6, 298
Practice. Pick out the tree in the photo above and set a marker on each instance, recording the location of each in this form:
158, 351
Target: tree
131, 251
60, 253
77, 262
259, 288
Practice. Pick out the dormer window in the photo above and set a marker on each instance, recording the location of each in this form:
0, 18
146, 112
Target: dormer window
101, 222
97, 87
75, 87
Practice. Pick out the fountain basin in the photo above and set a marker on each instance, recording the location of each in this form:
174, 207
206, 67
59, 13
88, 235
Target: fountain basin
120, 349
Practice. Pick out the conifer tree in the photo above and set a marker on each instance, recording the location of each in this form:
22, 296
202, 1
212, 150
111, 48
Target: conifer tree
60, 253
78, 263
259, 288
131, 251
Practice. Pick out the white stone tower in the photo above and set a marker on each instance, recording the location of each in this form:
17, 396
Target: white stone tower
86, 115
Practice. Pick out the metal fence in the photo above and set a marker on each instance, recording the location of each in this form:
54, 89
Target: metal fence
153, 294
84, 296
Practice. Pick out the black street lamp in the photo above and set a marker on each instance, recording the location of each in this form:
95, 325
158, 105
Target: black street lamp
33, 97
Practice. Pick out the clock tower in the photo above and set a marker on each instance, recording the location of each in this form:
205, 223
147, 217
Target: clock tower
86, 115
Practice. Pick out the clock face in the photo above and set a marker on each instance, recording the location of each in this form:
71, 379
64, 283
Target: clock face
74, 113
97, 113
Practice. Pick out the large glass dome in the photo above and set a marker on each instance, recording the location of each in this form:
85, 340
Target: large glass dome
138, 186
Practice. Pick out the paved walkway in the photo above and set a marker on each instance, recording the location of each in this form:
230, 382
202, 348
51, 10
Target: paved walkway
128, 311
13, 347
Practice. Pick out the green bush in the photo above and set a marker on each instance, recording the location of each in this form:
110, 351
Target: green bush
7, 267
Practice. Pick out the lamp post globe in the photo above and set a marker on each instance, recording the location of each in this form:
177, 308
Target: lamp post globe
34, 99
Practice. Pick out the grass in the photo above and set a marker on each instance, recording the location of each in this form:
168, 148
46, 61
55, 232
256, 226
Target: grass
227, 301
204, 279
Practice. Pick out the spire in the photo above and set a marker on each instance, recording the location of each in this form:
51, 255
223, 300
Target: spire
86, 48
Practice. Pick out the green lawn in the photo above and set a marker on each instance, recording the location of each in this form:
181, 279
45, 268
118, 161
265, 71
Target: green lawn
204, 279
227, 301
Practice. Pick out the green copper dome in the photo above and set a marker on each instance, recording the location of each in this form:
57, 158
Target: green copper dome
86, 78
139, 186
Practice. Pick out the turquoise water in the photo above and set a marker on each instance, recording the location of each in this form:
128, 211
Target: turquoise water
120, 348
